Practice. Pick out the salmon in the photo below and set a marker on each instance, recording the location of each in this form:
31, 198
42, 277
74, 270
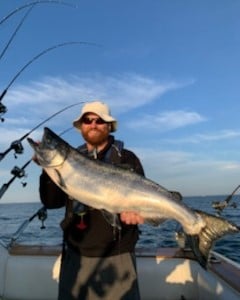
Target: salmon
114, 190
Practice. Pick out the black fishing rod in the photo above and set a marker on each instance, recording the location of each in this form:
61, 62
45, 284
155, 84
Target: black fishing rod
42, 216
3, 109
221, 205
17, 145
38, 56
33, 3
17, 172
16, 30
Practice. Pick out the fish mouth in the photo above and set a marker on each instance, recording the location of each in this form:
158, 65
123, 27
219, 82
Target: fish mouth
38, 156
49, 152
47, 141
33, 144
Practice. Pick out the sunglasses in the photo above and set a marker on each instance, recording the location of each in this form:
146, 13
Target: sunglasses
89, 121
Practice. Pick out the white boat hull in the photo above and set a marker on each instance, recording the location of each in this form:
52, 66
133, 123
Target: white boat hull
31, 273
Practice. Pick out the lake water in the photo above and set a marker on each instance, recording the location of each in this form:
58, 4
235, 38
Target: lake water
12, 216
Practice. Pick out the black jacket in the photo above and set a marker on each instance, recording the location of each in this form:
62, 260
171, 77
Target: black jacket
86, 229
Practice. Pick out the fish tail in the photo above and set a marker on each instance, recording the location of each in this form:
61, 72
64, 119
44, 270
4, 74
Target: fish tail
215, 228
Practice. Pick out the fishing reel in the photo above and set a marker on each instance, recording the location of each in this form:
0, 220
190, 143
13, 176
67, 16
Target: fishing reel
3, 110
17, 147
19, 172
42, 216
219, 206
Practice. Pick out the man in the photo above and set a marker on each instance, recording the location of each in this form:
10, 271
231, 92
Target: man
98, 260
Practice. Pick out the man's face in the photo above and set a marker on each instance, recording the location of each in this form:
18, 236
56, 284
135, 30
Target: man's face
94, 130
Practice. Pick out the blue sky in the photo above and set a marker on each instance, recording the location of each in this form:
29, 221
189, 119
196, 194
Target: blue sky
169, 69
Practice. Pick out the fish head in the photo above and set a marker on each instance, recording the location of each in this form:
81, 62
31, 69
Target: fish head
51, 151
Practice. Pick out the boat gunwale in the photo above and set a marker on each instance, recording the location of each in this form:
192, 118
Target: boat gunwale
224, 268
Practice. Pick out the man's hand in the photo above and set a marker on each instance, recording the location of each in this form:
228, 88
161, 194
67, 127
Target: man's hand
131, 218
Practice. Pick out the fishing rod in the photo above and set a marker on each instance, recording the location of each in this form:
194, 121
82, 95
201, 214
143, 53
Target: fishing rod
33, 3
16, 30
17, 172
3, 109
17, 145
20, 172
221, 205
42, 216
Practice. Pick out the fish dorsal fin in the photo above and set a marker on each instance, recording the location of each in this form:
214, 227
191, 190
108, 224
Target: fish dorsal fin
155, 222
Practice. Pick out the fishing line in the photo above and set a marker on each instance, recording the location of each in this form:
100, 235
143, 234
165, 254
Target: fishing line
3, 108
33, 3
16, 30
17, 145
65, 131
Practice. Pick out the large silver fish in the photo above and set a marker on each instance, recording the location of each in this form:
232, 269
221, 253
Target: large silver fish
113, 189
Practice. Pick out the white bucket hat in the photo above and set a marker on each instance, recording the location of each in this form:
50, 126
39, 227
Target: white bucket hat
99, 108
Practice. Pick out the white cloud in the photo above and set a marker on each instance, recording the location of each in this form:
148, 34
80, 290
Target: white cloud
207, 137
8, 135
124, 92
29, 105
167, 120
190, 173
221, 135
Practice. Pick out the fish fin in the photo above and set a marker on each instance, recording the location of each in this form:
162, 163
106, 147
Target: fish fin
155, 222
176, 195
112, 219
216, 227
60, 179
